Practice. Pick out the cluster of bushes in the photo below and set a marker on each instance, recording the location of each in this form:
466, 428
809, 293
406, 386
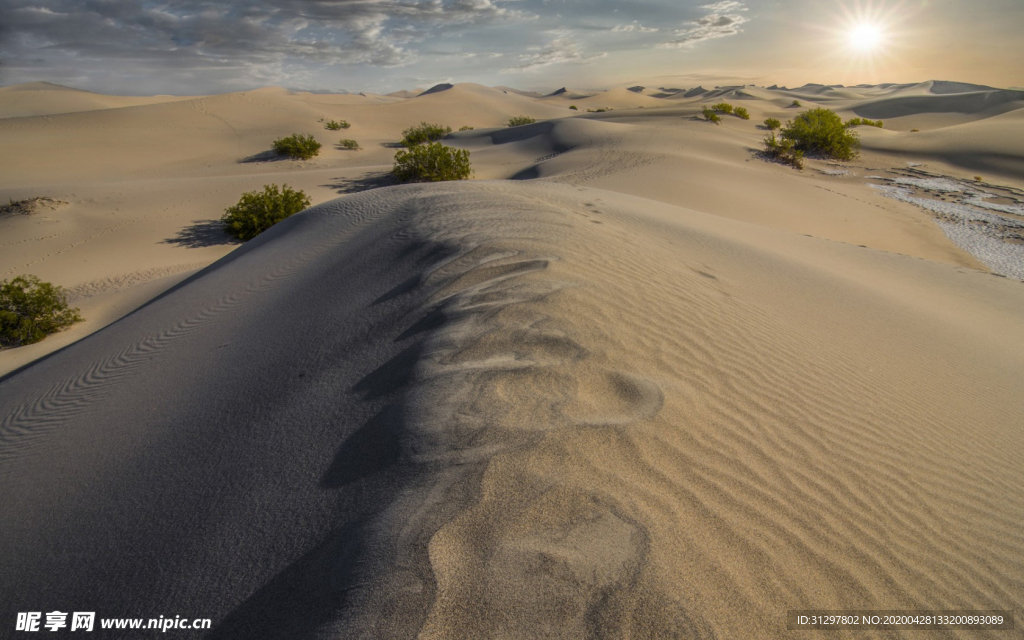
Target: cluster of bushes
466, 128
601, 110
297, 145
728, 109
818, 131
348, 143
337, 125
31, 309
710, 115
519, 121
423, 132
856, 122
432, 162
257, 211
783, 150
772, 124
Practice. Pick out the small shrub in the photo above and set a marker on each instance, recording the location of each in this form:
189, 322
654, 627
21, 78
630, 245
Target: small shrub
784, 151
519, 121
466, 128
857, 122
710, 115
722, 107
30, 310
431, 162
349, 144
796, 103
914, 130
257, 211
423, 132
821, 131
298, 146
337, 125
741, 113
772, 124
574, 107
978, 179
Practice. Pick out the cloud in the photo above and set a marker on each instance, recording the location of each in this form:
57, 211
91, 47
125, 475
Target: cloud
258, 40
716, 24
633, 26
559, 51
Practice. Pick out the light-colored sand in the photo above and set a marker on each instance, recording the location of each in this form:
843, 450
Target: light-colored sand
633, 382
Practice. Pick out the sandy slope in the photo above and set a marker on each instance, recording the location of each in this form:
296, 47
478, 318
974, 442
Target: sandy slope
632, 382
512, 409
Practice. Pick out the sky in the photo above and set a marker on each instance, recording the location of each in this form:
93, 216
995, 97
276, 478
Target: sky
193, 47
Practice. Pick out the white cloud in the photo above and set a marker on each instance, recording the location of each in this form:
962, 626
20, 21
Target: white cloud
559, 51
633, 26
716, 24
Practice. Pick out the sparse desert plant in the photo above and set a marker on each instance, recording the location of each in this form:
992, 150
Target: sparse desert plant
722, 107
821, 131
297, 145
741, 113
710, 115
519, 121
31, 309
574, 107
915, 130
423, 132
783, 150
796, 103
466, 128
337, 125
349, 144
431, 162
978, 179
857, 122
772, 124
257, 211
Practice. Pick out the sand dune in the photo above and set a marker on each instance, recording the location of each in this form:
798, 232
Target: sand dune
44, 99
632, 381
483, 409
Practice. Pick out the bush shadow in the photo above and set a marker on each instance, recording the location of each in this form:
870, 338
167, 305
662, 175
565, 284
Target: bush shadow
202, 233
362, 183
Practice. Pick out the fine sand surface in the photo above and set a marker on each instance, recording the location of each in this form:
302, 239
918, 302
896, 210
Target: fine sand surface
631, 382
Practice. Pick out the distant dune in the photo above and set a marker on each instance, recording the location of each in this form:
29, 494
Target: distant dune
632, 380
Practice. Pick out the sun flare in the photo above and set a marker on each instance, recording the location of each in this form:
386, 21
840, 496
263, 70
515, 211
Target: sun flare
865, 37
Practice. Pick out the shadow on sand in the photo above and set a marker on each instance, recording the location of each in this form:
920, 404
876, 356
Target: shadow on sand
362, 183
202, 233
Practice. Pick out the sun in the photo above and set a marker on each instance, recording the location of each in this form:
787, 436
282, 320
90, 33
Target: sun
865, 37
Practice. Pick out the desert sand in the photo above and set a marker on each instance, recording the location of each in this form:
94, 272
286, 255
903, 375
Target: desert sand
631, 381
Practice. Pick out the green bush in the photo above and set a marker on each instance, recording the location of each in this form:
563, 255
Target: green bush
796, 103
432, 162
856, 122
466, 128
297, 145
722, 107
30, 310
349, 144
821, 131
257, 211
337, 125
423, 132
519, 121
710, 115
784, 151
772, 124
741, 113
574, 107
